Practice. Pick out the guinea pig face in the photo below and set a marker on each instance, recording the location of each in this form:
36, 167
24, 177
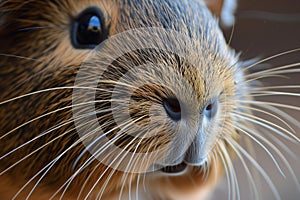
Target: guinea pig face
143, 92
163, 89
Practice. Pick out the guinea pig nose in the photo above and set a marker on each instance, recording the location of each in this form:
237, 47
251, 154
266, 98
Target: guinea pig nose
211, 109
172, 107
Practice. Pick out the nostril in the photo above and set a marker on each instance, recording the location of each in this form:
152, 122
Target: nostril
172, 107
211, 109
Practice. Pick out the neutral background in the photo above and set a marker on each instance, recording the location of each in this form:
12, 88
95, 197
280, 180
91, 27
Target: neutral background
264, 28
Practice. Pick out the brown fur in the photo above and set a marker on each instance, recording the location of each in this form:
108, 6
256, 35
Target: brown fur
44, 58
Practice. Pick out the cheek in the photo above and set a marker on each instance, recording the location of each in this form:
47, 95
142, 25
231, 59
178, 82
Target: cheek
64, 53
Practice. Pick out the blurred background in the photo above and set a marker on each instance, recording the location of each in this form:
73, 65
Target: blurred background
264, 28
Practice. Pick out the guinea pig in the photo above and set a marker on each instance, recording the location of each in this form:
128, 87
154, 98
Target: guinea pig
124, 99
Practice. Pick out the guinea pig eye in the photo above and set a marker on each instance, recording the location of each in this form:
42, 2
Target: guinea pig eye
89, 29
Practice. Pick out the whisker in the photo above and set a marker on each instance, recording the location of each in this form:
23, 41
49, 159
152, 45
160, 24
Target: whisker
84, 165
113, 161
269, 114
215, 161
118, 83
272, 93
52, 112
124, 177
279, 142
29, 59
267, 124
271, 57
101, 137
49, 131
100, 194
252, 151
148, 162
247, 170
269, 103
228, 178
87, 162
49, 166
40, 27
275, 70
280, 113
32, 153
87, 179
21, 57
283, 146
50, 90
260, 144
275, 87
231, 35
36, 184
235, 183
255, 79
282, 157
69, 181
32, 140
258, 167
137, 186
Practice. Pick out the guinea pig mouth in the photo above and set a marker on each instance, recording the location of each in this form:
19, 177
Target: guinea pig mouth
175, 169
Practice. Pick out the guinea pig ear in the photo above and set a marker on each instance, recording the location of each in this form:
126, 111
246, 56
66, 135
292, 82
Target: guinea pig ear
224, 9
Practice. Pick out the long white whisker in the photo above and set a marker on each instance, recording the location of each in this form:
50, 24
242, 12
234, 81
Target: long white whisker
96, 141
88, 161
268, 125
51, 90
247, 170
260, 144
49, 166
69, 181
275, 70
275, 87
118, 83
54, 161
280, 113
144, 174
270, 114
287, 164
235, 183
49, 131
258, 167
271, 75
33, 152
283, 146
114, 160
272, 93
271, 57
147, 162
51, 112
124, 177
88, 178
226, 173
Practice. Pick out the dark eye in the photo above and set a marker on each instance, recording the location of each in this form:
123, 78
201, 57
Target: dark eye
89, 29
172, 107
